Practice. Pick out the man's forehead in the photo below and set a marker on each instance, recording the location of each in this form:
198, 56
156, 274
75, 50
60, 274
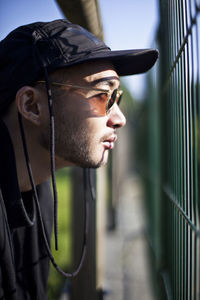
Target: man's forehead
104, 76
92, 71
100, 73
105, 79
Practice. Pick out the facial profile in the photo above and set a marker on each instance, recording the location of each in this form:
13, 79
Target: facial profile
82, 137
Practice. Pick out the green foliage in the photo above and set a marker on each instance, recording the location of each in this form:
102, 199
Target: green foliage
63, 255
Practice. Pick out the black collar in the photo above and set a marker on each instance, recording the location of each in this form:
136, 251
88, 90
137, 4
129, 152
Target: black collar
20, 207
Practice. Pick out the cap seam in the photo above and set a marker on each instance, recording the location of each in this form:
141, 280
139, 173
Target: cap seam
51, 41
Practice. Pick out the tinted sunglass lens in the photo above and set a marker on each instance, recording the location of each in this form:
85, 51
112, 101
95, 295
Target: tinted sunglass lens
112, 100
119, 98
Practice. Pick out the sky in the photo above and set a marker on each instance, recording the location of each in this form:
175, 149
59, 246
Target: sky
127, 24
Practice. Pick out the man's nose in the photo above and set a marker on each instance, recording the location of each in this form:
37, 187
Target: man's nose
116, 118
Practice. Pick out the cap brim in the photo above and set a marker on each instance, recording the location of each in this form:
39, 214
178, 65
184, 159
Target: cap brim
129, 62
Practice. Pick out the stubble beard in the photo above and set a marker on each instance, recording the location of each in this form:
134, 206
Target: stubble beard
72, 145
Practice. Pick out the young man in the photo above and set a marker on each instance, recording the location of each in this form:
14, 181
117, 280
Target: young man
59, 96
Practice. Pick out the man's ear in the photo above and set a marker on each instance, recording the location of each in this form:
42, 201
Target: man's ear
28, 104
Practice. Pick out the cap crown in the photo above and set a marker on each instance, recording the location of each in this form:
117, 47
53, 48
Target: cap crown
28, 49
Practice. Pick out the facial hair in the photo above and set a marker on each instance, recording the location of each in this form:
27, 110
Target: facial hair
72, 142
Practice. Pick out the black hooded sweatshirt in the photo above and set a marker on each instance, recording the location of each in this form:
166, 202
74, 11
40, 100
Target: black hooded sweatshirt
24, 263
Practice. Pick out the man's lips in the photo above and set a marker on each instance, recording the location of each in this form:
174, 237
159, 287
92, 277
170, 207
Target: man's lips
108, 142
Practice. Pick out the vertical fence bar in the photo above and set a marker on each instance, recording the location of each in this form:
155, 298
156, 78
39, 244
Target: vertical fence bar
197, 202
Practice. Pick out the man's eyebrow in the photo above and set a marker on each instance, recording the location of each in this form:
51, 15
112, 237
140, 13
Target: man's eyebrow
106, 80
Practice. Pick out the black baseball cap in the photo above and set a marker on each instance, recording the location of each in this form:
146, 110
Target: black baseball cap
27, 50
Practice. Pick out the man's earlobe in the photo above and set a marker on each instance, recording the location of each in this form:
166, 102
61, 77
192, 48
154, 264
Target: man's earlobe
28, 105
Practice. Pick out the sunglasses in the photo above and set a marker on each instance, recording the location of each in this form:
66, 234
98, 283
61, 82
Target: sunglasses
102, 102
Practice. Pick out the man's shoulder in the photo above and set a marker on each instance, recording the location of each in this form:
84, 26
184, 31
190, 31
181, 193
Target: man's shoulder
4, 226
7, 269
22, 250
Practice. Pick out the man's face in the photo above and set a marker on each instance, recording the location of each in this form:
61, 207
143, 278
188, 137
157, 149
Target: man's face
82, 137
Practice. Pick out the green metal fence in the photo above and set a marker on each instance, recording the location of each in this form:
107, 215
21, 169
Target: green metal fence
170, 165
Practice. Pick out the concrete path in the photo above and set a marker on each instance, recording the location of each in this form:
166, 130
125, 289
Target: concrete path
126, 272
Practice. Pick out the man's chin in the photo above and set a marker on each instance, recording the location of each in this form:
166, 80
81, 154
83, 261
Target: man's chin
84, 162
104, 159
96, 163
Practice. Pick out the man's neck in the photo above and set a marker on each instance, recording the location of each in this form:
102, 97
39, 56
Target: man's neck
39, 157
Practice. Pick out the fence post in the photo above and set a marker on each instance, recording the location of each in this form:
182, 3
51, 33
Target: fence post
83, 286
